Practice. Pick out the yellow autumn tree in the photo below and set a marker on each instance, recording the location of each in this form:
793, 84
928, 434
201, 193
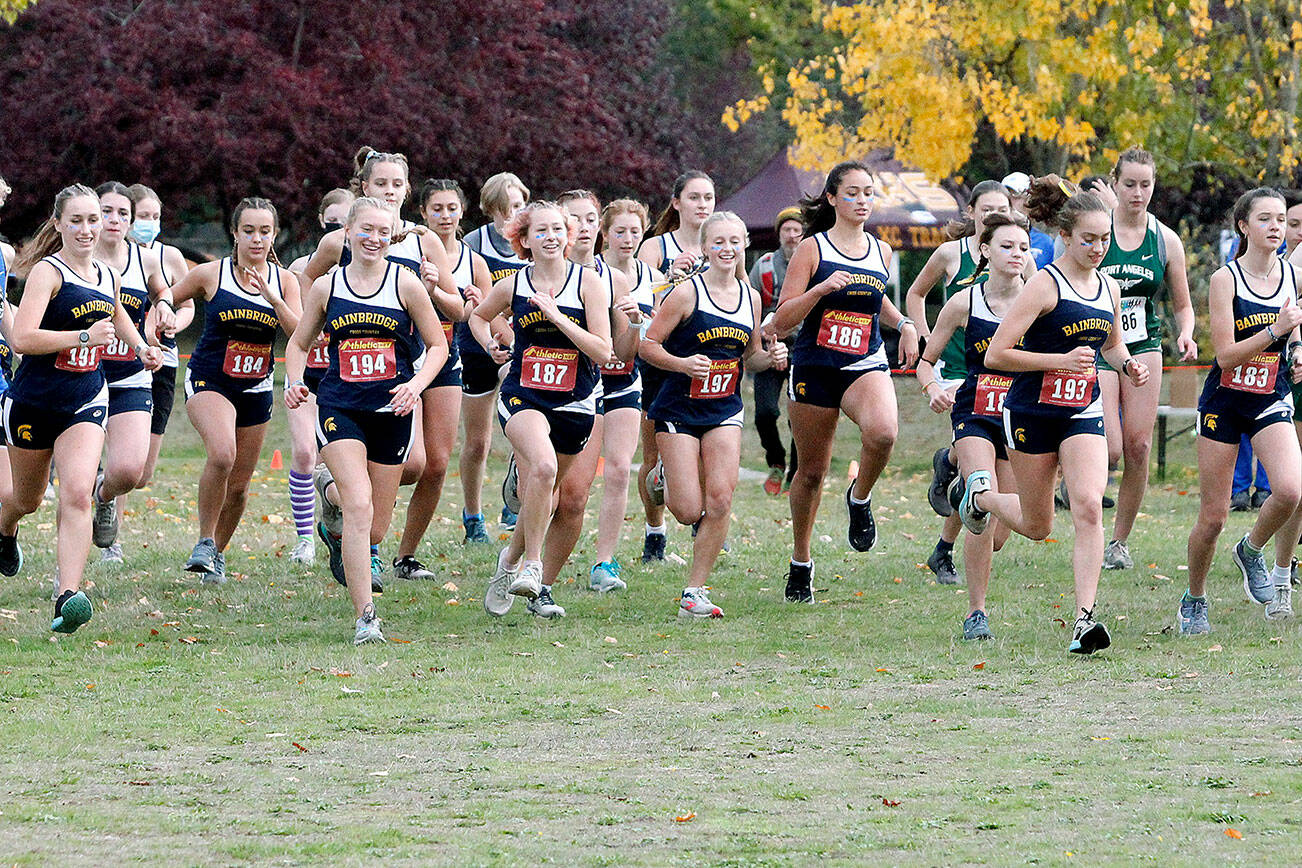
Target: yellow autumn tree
1071, 82
11, 9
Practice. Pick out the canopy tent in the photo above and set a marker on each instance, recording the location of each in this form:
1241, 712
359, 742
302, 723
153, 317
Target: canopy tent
909, 211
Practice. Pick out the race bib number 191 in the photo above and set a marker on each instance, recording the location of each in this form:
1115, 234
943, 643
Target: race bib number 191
78, 359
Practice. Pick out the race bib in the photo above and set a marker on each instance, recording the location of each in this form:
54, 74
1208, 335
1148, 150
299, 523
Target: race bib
366, 360
447, 332
549, 369
845, 331
247, 361
78, 359
118, 351
1256, 376
1067, 388
720, 382
615, 369
990, 393
1134, 322
318, 357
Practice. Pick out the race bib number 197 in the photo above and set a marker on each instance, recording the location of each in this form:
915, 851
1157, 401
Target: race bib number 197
720, 382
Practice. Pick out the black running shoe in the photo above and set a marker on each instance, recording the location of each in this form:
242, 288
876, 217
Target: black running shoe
334, 545
942, 564
863, 530
800, 584
11, 555
653, 547
407, 567
942, 474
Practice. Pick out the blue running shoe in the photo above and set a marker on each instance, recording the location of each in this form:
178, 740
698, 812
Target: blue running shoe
1257, 583
1191, 617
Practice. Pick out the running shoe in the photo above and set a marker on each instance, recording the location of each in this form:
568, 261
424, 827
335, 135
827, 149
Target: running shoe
773, 483
1257, 583
217, 576
1108, 502
528, 582
655, 484
975, 520
104, 526
695, 603
800, 583
653, 547
335, 548
977, 626
368, 627
407, 567
604, 578
202, 557
332, 516
377, 575
508, 518
942, 474
476, 530
1241, 501
724, 549
511, 486
71, 610
498, 599
1282, 606
942, 564
1117, 556
11, 555
304, 550
1292, 573
1191, 617
1089, 635
862, 531
112, 554
544, 606
1259, 497
1061, 500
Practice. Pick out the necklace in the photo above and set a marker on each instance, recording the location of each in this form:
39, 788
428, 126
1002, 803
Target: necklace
1265, 276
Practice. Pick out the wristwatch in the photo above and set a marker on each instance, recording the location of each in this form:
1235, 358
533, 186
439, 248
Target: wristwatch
83, 337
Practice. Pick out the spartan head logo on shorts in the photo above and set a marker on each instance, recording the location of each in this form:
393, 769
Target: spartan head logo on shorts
329, 423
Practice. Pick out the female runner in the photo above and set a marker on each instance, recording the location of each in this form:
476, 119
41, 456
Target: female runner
144, 231
673, 249
56, 408
369, 307
228, 382
1144, 258
1254, 317
976, 408
385, 177
442, 204
131, 404
501, 198
622, 224
705, 329
835, 293
951, 264
583, 211
560, 315
1053, 415
331, 215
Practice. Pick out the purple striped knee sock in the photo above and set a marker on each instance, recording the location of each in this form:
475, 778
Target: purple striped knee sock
302, 501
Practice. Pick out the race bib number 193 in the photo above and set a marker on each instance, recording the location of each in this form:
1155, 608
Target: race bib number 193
1067, 388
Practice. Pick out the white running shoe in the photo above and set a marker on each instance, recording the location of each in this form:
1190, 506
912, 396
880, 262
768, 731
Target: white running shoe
528, 582
368, 627
497, 599
1282, 606
544, 606
112, 554
304, 551
695, 603
1117, 556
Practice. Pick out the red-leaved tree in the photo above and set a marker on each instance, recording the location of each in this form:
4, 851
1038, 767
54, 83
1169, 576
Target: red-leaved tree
211, 102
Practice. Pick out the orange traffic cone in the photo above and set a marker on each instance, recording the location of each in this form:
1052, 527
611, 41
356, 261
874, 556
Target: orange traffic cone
277, 463
601, 465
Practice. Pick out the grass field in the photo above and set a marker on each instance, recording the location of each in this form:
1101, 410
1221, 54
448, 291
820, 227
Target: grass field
198, 725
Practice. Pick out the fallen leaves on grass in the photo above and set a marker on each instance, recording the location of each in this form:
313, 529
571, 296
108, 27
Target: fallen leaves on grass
981, 665
883, 669
340, 673
610, 640
141, 783
827, 707
890, 803
685, 818
299, 746
450, 586
1215, 648
190, 640
90, 686
1231, 832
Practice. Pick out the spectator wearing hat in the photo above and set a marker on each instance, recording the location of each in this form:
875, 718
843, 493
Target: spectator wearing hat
766, 275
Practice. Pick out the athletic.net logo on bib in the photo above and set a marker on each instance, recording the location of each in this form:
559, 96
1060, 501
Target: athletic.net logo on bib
845, 331
720, 382
549, 369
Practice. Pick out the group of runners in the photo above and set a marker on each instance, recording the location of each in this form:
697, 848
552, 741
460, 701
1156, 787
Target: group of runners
590, 333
